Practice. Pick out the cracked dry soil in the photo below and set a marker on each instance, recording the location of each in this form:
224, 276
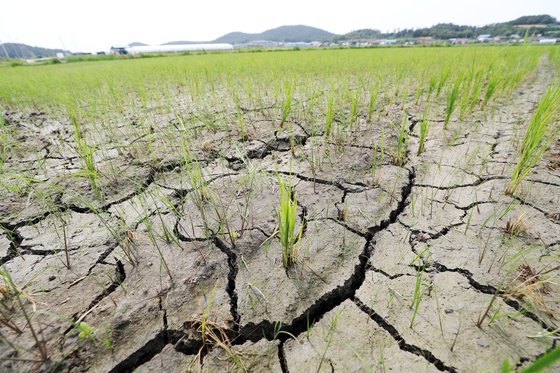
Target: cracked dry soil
171, 288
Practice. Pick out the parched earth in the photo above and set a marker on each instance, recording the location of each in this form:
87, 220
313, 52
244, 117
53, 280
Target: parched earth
424, 266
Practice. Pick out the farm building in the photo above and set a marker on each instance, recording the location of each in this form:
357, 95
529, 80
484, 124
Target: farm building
169, 48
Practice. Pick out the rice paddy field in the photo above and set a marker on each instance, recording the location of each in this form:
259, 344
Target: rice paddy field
349, 210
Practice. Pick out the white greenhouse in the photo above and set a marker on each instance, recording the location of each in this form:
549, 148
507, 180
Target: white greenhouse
170, 48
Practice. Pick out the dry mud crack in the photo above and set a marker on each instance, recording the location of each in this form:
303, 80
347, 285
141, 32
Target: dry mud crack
413, 268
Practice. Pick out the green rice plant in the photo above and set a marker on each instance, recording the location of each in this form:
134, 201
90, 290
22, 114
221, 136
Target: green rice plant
86, 153
152, 236
451, 104
418, 293
474, 94
287, 215
539, 365
354, 103
240, 119
443, 77
286, 103
540, 133
13, 294
399, 156
88, 332
330, 337
432, 86
4, 139
491, 87
373, 94
423, 127
329, 117
374, 160
486, 311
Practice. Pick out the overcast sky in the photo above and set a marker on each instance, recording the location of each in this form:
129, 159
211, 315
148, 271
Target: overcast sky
91, 26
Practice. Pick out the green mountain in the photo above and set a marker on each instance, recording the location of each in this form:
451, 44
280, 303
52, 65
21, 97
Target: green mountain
543, 19
279, 34
17, 50
544, 25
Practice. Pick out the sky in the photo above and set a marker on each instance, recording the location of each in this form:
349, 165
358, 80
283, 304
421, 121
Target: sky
96, 25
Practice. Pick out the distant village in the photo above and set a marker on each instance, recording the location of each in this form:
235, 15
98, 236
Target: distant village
428, 40
269, 44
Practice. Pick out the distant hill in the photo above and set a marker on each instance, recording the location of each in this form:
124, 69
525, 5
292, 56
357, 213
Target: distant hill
137, 44
17, 50
449, 30
179, 42
543, 19
361, 34
279, 34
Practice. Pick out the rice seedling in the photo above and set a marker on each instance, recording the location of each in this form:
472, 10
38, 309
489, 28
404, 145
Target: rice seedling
287, 216
241, 123
399, 155
486, 311
491, 87
286, 102
88, 332
540, 133
373, 94
86, 153
330, 337
551, 357
423, 132
418, 293
329, 117
354, 104
12, 298
451, 105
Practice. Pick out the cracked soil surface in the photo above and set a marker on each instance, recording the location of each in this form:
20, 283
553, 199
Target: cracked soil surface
169, 287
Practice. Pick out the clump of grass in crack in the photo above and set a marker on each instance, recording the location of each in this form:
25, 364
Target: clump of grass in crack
287, 215
531, 286
516, 226
214, 334
451, 103
540, 133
